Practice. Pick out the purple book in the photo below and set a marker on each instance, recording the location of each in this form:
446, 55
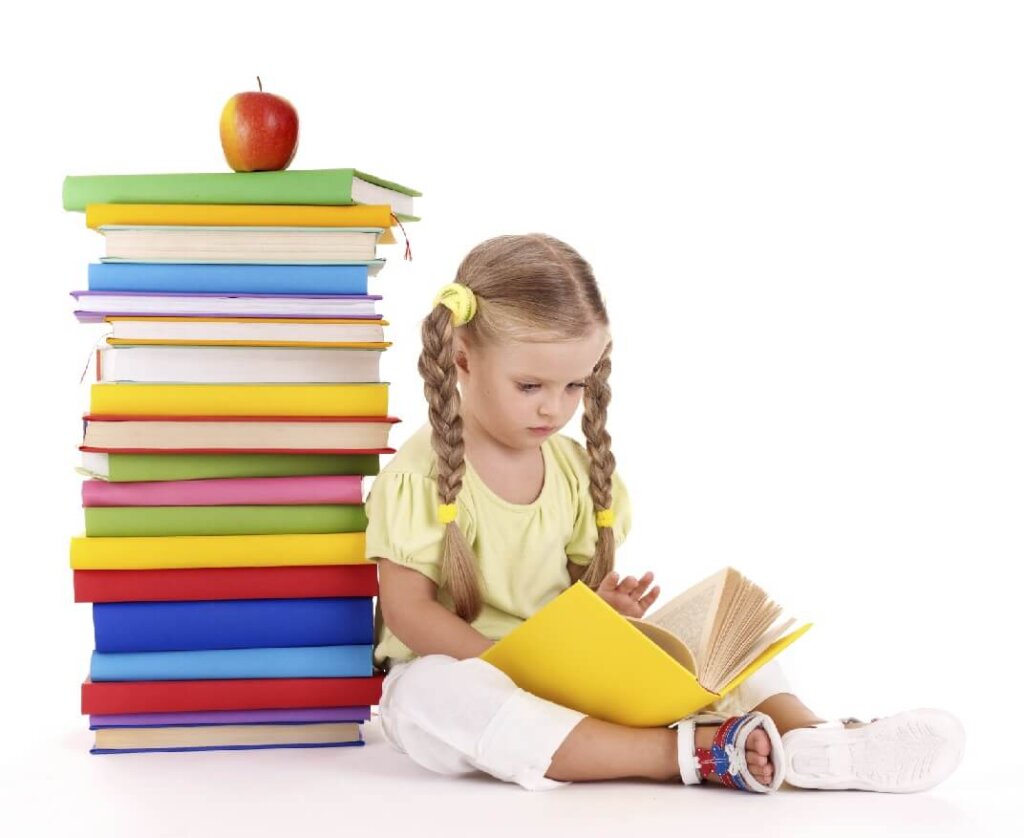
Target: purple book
94, 306
298, 715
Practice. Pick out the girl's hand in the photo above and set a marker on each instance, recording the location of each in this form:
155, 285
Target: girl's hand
627, 597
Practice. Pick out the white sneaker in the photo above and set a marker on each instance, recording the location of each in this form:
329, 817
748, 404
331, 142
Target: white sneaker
910, 751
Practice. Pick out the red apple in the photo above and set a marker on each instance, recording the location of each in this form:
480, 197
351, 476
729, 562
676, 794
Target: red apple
259, 131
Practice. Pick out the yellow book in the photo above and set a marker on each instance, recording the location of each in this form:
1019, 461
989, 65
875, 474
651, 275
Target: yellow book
152, 553
579, 652
242, 215
132, 399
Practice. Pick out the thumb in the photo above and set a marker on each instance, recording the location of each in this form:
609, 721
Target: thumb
609, 582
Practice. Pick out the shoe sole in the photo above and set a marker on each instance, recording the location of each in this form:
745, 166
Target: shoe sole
908, 752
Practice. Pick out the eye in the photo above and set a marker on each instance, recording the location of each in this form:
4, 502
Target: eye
527, 388
579, 384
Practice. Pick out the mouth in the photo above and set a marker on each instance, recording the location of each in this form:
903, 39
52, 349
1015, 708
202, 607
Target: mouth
544, 429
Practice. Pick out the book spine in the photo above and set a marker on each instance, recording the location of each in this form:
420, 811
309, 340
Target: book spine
131, 553
130, 521
227, 279
257, 491
350, 661
232, 624
213, 583
324, 187
241, 694
126, 468
240, 399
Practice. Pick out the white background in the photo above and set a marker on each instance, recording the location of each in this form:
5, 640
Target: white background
806, 219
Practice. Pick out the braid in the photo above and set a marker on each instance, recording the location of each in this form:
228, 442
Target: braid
437, 367
602, 463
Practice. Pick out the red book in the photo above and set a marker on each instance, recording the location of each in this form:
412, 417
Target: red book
225, 583
248, 694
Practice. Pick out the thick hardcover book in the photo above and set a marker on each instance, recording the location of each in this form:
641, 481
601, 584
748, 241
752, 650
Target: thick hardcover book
203, 664
238, 365
225, 738
302, 715
326, 187
239, 399
237, 694
129, 468
97, 306
238, 279
209, 583
232, 624
235, 434
131, 521
240, 491
245, 215
145, 553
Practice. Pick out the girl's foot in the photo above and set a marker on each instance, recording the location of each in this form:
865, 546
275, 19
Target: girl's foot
743, 752
908, 752
757, 750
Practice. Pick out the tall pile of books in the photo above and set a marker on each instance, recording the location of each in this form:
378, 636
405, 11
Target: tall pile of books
237, 408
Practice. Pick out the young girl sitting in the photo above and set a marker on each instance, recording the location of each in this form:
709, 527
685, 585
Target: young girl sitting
487, 513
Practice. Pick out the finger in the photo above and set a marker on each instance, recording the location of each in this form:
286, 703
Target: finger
641, 585
648, 600
609, 582
627, 585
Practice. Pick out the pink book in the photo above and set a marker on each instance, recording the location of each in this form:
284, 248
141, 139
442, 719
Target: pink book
236, 491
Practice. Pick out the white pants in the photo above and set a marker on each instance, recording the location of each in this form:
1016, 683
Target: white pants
462, 716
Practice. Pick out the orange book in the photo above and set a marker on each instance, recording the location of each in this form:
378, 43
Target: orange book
243, 215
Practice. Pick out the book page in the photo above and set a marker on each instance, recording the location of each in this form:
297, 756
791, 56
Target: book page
688, 614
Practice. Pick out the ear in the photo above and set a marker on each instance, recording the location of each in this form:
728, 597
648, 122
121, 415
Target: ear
461, 354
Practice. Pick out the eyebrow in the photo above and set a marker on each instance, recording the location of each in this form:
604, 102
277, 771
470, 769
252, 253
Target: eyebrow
545, 380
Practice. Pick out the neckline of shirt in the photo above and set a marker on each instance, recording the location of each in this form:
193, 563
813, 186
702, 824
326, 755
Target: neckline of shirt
517, 507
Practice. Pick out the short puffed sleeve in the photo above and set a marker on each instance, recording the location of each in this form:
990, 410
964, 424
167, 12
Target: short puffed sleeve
583, 542
402, 522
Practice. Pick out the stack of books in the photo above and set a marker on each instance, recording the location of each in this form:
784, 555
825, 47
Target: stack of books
237, 408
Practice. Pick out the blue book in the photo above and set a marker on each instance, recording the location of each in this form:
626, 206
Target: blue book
231, 624
234, 279
301, 662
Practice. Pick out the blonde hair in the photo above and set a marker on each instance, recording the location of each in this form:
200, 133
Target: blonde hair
527, 287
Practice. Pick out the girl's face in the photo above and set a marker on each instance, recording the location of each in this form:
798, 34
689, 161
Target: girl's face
520, 393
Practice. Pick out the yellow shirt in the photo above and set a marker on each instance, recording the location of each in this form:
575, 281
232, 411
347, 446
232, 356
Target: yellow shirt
521, 549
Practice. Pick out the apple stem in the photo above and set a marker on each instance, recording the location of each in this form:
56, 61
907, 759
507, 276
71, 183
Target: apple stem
259, 83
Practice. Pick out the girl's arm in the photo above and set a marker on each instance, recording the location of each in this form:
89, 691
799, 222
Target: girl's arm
409, 606
575, 571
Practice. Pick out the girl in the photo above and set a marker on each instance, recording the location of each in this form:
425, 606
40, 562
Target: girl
487, 513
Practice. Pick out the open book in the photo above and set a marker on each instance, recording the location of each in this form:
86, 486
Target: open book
579, 652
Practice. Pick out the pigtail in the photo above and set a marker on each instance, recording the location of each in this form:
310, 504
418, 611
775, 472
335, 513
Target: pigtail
602, 463
459, 574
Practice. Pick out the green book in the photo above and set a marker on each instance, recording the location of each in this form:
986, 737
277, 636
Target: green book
129, 521
129, 468
321, 187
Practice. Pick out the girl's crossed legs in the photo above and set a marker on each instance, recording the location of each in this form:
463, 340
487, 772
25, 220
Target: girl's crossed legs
461, 716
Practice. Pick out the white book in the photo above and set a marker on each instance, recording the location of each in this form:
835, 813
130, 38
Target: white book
237, 365
208, 244
225, 305
214, 331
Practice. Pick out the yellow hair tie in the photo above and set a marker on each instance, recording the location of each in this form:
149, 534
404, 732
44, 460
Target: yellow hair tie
446, 513
460, 299
605, 517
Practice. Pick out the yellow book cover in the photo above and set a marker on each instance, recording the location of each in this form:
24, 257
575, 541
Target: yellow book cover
151, 553
133, 399
242, 215
579, 652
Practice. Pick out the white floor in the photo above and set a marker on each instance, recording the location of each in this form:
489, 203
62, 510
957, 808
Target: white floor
59, 789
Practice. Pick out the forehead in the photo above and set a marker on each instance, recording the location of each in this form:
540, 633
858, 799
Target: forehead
564, 360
